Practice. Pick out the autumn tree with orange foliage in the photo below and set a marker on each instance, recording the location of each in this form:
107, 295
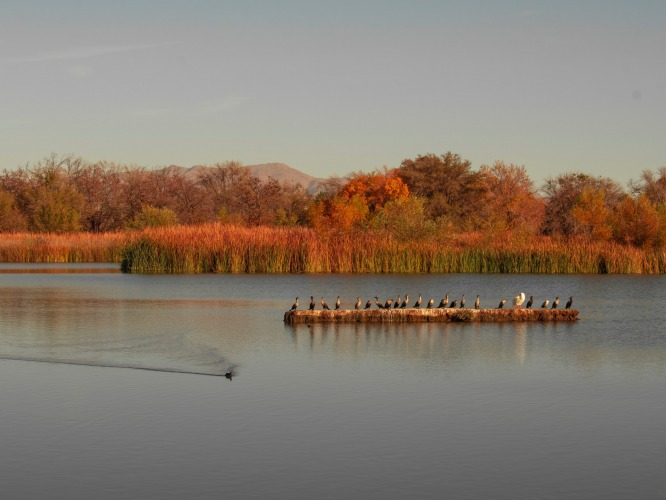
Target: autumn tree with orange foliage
637, 222
510, 201
564, 192
593, 215
354, 204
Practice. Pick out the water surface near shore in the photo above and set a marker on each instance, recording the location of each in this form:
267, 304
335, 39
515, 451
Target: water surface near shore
112, 387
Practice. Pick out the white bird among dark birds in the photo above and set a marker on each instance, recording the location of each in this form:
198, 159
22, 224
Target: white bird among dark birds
518, 300
569, 303
545, 304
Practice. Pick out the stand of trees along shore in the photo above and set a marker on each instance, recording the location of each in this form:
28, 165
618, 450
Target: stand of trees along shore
428, 197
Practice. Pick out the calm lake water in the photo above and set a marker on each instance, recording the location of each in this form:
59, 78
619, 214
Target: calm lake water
111, 387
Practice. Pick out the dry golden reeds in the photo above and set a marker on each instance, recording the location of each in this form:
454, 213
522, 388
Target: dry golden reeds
221, 248
69, 247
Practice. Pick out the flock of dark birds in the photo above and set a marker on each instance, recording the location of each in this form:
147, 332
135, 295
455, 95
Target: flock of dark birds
518, 301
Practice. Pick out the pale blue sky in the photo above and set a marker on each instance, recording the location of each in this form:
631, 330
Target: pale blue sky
330, 87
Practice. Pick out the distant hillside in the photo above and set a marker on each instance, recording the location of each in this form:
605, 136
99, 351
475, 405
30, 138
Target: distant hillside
278, 171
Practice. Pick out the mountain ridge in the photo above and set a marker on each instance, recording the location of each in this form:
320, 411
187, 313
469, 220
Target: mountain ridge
281, 172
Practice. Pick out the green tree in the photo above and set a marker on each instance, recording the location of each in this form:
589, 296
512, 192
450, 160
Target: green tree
150, 216
54, 205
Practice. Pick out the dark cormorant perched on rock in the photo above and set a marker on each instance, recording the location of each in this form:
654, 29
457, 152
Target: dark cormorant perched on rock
357, 306
368, 304
295, 306
569, 303
397, 303
545, 304
312, 303
388, 303
444, 302
404, 302
530, 302
501, 304
379, 304
417, 304
324, 305
453, 304
556, 303
462, 302
477, 303
337, 303
431, 303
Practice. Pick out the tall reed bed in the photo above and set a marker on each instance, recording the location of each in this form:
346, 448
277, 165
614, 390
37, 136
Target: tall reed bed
58, 248
220, 248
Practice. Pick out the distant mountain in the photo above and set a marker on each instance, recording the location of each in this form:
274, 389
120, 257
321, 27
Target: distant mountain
278, 171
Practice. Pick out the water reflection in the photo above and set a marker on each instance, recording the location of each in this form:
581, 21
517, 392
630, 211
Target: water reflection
390, 410
54, 324
458, 345
58, 268
447, 343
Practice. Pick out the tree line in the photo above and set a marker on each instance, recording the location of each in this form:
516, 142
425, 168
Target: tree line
428, 196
